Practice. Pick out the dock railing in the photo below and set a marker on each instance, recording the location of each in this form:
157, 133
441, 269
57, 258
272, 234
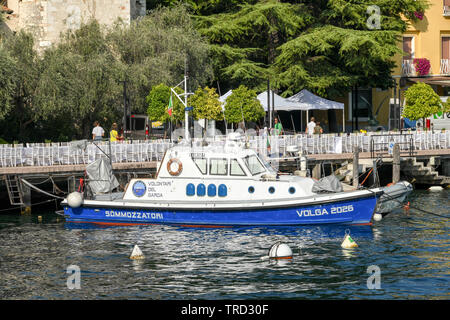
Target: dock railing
84, 152
382, 144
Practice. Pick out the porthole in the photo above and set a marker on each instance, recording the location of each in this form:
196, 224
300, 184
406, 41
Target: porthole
211, 190
190, 189
201, 190
291, 190
251, 189
271, 189
222, 190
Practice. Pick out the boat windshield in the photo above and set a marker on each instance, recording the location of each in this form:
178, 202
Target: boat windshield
254, 165
268, 165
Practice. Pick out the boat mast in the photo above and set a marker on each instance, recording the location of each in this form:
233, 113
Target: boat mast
185, 94
186, 112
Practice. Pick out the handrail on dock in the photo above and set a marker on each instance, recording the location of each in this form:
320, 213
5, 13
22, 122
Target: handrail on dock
83, 152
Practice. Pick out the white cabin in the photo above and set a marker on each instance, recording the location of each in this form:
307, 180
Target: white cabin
216, 174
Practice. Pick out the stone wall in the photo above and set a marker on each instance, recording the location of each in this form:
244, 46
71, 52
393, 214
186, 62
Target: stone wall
47, 19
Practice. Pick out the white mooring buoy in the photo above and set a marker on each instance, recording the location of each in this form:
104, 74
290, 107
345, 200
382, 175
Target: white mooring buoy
435, 188
348, 242
280, 251
377, 216
75, 199
137, 253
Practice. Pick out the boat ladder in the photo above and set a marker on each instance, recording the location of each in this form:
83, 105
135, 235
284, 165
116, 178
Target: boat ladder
14, 190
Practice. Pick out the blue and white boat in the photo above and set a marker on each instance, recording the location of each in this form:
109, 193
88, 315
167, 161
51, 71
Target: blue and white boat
223, 184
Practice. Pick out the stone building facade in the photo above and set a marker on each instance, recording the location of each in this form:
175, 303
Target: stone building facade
47, 19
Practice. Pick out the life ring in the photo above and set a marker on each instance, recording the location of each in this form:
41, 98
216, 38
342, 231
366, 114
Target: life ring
170, 169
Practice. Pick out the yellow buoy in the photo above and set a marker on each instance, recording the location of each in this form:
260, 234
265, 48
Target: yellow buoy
137, 254
348, 242
40, 218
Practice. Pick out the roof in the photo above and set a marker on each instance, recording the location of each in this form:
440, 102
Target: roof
304, 100
309, 101
279, 103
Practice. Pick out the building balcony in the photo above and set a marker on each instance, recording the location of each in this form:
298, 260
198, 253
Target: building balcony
446, 12
408, 69
445, 67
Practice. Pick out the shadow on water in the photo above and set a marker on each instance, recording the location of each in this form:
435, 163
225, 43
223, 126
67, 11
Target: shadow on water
330, 231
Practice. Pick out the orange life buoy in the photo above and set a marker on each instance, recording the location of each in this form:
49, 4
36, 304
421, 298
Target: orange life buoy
171, 170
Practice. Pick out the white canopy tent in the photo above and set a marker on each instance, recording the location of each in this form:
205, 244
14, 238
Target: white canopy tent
279, 103
302, 101
309, 101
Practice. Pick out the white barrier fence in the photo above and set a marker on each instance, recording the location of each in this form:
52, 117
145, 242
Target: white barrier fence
83, 152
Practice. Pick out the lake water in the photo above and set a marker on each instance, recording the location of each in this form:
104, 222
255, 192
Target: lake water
412, 252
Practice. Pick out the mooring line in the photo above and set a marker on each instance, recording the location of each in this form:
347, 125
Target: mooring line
39, 190
33, 204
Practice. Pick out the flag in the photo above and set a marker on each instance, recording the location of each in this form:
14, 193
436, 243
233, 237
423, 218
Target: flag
169, 109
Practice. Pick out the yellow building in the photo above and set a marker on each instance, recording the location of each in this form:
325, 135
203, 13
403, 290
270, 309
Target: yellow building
427, 38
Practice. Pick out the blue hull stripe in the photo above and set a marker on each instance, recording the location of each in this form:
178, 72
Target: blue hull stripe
355, 211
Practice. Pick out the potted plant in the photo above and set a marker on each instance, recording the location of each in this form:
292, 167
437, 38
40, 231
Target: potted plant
422, 66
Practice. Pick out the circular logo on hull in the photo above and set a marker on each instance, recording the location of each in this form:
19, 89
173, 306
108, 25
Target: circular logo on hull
139, 188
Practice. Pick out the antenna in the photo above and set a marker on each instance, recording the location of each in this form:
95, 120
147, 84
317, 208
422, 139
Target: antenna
185, 94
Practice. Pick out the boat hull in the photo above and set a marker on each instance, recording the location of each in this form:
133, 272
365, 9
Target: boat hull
357, 211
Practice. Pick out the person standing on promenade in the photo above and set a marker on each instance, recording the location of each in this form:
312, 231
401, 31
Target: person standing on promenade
318, 129
113, 134
278, 128
310, 126
97, 132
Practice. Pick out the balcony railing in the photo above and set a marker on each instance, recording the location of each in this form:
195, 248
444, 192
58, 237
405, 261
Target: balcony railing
446, 12
445, 67
408, 68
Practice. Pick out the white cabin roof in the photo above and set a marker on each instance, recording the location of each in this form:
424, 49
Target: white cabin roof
228, 159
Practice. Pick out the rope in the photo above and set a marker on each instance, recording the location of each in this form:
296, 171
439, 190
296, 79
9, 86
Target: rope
39, 190
362, 183
32, 205
55, 187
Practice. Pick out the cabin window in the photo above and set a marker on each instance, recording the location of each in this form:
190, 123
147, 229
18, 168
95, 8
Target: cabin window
212, 190
201, 190
190, 189
223, 190
201, 164
254, 165
236, 169
218, 167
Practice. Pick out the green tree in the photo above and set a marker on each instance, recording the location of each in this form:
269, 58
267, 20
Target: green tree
156, 49
158, 103
79, 82
339, 50
23, 82
325, 46
243, 104
7, 83
244, 42
206, 104
421, 102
